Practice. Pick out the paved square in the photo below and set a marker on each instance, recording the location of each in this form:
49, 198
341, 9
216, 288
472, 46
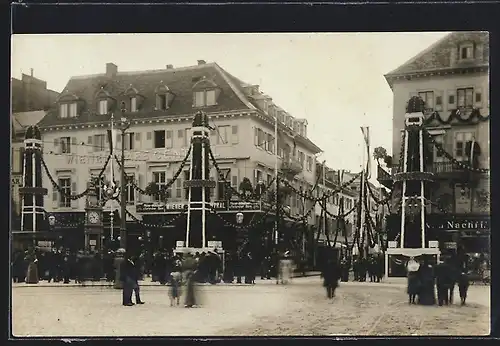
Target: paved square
263, 309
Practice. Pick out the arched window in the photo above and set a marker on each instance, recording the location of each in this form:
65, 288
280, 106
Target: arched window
164, 97
205, 93
68, 105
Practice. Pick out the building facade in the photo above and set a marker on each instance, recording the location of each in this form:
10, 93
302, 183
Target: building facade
160, 105
452, 78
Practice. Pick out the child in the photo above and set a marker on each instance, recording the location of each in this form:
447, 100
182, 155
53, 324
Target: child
175, 290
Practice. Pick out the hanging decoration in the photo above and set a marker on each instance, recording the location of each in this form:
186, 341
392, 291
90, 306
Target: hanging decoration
61, 190
456, 114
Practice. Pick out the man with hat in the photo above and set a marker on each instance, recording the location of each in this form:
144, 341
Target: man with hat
129, 275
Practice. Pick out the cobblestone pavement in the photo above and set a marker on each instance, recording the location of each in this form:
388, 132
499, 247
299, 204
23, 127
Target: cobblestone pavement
261, 310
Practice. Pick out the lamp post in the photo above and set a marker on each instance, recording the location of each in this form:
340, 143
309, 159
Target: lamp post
124, 126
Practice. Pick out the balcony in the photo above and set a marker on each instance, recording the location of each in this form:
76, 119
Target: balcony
448, 171
291, 167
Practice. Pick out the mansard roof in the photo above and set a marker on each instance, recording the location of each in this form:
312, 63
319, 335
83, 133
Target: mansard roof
439, 56
179, 80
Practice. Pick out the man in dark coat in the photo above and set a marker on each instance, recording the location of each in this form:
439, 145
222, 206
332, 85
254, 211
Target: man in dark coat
129, 275
331, 275
463, 286
426, 295
443, 282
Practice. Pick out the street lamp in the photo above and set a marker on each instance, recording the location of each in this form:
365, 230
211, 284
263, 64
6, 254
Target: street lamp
124, 126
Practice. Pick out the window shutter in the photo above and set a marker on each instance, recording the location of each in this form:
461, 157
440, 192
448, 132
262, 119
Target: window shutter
479, 53
451, 95
256, 136
234, 132
478, 93
453, 55
118, 138
439, 94
73, 140
148, 144
74, 203
55, 199
56, 142
137, 144
89, 140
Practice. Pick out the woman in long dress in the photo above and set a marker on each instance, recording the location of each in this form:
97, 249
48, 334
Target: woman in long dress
427, 294
413, 280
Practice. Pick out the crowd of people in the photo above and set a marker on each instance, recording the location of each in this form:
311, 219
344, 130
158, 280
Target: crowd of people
434, 284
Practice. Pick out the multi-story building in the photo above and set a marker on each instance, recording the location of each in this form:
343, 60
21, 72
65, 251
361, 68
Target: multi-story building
30, 99
452, 78
160, 105
31, 94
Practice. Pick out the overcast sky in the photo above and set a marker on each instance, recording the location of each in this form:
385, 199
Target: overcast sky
334, 80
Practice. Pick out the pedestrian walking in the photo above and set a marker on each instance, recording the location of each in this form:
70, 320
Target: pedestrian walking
175, 287
463, 286
331, 275
443, 282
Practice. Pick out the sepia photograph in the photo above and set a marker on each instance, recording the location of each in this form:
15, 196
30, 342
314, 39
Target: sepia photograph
250, 184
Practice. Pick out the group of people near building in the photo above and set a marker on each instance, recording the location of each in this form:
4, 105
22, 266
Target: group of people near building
430, 284
371, 266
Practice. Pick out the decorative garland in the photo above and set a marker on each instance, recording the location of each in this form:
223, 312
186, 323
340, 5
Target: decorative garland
167, 186
71, 196
450, 157
375, 199
456, 115
242, 196
324, 196
335, 217
252, 223
301, 218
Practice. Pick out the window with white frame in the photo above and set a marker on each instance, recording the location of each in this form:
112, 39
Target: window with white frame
73, 110
160, 178
178, 188
103, 107
63, 110
130, 189
221, 183
466, 51
161, 102
258, 177
261, 139
99, 142
205, 98
301, 158
64, 199
128, 139
170, 193
310, 163
461, 139
133, 104
428, 98
465, 97
224, 133
65, 145
187, 137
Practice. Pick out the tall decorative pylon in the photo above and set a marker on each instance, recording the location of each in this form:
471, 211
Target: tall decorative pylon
199, 183
33, 214
413, 177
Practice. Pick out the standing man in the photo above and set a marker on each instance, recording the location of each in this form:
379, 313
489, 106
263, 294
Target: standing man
129, 275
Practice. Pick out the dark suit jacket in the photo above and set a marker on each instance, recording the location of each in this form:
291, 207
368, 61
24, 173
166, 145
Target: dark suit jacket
129, 271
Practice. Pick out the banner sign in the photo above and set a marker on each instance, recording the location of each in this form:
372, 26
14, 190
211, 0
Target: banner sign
452, 222
217, 205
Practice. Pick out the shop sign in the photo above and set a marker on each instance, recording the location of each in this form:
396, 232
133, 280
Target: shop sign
450, 245
179, 243
217, 205
459, 224
216, 244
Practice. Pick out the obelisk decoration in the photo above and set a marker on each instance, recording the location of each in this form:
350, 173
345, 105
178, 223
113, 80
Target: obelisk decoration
413, 178
33, 214
199, 183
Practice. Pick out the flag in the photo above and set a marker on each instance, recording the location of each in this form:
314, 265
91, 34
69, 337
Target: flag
366, 135
111, 136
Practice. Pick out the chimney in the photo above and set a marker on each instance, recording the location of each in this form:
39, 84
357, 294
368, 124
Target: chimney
201, 62
31, 72
169, 67
111, 70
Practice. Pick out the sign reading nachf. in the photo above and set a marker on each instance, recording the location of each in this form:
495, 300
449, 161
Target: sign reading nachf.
460, 224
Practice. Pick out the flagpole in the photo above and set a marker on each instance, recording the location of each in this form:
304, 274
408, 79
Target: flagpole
112, 179
362, 223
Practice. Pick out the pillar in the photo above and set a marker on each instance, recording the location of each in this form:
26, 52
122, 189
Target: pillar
32, 212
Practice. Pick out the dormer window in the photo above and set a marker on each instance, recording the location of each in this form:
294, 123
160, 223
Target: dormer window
466, 51
205, 98
164, 97
133, 104
104, 103
103, 107
205, 93
68, 105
